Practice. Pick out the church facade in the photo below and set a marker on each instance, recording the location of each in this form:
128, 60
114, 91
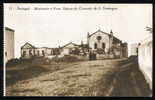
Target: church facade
99, 40
106, 45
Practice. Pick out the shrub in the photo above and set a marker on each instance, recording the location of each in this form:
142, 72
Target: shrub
13, 62
76, 51
100, 51
16, 61
46, 61
66, 58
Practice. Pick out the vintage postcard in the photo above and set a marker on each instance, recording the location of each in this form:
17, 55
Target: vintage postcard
95, 49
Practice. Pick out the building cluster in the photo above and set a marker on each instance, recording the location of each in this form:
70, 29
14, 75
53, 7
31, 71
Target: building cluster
99, 44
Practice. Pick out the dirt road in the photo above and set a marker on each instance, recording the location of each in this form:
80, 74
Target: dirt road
130, 82
86, 78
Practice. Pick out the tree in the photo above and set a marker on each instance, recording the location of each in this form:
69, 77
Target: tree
149, 29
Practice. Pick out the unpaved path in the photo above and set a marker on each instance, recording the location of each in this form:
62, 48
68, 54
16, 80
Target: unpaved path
78, 79
130, 83
119, 77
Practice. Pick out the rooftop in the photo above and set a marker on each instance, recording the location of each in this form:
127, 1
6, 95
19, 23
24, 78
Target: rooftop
6, 28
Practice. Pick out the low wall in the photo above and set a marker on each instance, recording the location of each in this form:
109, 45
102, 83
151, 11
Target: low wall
104, 56
145, 59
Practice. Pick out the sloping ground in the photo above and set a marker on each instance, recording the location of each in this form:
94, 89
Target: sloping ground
77, 79
130, 82
30, 70
119, 77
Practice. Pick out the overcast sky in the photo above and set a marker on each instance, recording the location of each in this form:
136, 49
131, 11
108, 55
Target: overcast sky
51, 27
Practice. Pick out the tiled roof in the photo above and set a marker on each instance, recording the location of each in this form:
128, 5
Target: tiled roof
28, 44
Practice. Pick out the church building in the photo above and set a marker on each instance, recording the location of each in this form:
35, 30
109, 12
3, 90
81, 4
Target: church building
106, 45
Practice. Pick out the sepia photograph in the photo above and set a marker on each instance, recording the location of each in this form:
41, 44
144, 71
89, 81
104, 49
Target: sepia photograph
83, 49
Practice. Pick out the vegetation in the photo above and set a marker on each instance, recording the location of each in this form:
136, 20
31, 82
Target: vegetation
17, 61
13, 62
100, 51
66, 58
76, 51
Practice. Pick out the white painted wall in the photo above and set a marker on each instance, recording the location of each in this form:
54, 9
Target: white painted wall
48, 51
145, 58
27, 55
67, 48
8, 45
105, 39
65, 51
40, 51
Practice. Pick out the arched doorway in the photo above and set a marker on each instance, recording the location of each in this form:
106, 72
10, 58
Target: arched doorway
95, 46
103, 47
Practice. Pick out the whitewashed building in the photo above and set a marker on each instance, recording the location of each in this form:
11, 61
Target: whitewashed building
8, 44
106, 44
145, 58
100, 43
28, 51
68, 48
134, 49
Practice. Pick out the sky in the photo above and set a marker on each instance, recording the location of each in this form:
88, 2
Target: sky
53, 25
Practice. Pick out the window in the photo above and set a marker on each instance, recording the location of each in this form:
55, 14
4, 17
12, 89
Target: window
43, 53
103, 45
38, 52
6, 54
24, 53
51, 52
95, 46
137, 51
30, 52
99, 38
33, 52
